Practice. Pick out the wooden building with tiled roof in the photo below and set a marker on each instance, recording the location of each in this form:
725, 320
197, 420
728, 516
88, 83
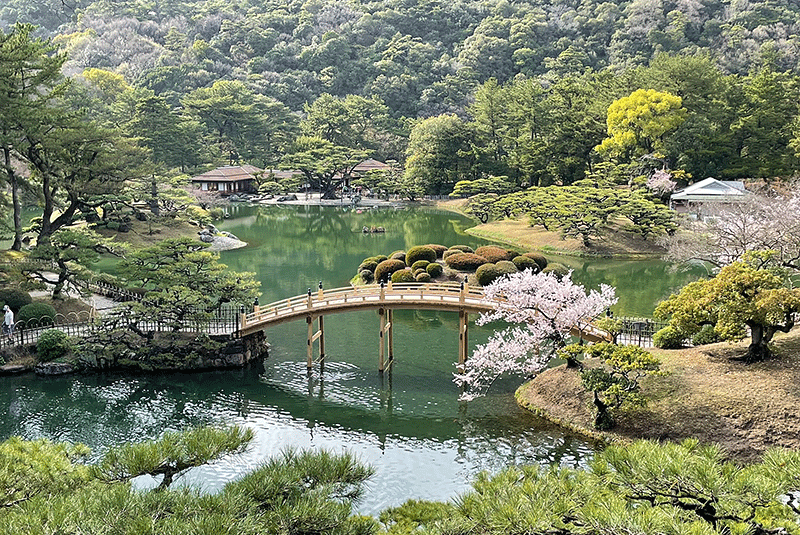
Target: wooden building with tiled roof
229, 179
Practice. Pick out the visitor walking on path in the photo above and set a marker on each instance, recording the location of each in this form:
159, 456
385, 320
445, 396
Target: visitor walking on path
8, 323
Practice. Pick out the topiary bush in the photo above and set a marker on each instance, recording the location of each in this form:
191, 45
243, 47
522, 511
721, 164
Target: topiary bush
368, 264
706, 335
523, 262
465, 261
378, 258
15, 299
506, 267
419, 264
403, 275
557, 269
398, 255
668, 338
434, 269
463, 248
366, 275
494, 254
438, 249
52, 344
539, 258
420, 252
486, 274
385, 269
36, 315
423, 277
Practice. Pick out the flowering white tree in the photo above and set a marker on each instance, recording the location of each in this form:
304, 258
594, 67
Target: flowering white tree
661, 183
544, 309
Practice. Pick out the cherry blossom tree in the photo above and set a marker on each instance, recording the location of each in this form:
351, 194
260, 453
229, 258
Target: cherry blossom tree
661, 183
544, 309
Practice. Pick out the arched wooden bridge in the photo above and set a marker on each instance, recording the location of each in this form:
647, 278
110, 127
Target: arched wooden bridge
453, 297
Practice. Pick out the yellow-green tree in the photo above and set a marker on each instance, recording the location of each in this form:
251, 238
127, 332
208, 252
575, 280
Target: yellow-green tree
637, 124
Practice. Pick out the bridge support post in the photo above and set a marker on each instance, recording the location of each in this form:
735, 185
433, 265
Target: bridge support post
386, 326
312, 337
463, 328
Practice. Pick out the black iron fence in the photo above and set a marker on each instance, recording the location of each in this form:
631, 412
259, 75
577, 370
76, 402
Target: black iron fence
639, 331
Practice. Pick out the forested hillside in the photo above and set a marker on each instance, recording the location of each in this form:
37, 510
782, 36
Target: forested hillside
453, 90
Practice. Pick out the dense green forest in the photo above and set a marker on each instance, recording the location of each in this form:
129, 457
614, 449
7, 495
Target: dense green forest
451, 90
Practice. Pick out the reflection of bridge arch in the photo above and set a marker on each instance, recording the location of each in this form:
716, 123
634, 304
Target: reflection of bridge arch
453, 297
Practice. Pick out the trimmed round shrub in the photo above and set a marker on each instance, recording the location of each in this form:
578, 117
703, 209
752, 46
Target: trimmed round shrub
494, 254
439, 249
451, 252
434, 269
539, 258
420, 264
486, 274
463, 248
385, 269
668, 338
398, 255
465, 261
420, 252
557, 269
14, 298
403, 275
423, 277
706, 335
366, 275
506, 267
52, 344
523, 263
368, 265
378, 258
36, 315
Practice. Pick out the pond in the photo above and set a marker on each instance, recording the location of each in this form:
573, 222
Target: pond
408, 423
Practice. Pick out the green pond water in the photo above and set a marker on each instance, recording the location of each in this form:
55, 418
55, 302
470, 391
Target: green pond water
408, 423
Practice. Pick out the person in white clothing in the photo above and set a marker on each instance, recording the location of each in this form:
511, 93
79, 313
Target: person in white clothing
8, 323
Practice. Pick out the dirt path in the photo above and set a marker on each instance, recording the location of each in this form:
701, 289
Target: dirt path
706, 395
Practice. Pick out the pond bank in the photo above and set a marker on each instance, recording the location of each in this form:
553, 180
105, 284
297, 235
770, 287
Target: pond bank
746, 409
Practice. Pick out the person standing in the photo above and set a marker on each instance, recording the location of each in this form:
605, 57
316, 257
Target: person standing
8, 323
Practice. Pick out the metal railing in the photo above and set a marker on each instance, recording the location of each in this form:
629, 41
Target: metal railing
639, 331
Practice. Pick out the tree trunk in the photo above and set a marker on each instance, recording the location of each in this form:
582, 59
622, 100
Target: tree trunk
602, 419
758, 350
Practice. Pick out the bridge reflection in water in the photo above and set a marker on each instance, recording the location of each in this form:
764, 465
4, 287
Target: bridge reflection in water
385, 298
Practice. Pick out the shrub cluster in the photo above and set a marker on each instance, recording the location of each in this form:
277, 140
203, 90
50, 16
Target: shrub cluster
706, 335
539, 258
434, 269
385, 269
15, 299
557, 269
52, 344
494, 254
438, 249
523, 262
486, 274
668, 338
464, 261
403, 275
420, 252
36, 315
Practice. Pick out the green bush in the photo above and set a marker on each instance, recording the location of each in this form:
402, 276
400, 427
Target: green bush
494, 254
14, 298
434, 269
420, 252
557, 269
506, 267
398, 255
465, 261
36, 315
419, 264
385, 269
366, 275
368, 264
423, 277
539, 258
438, 249
668, 338
52, 344
402, 275
463, 248
524, 262
378, 258
486, 274
113, 225
706, 335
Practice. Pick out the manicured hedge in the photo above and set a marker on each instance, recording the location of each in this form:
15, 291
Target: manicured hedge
36, 315
493, 253
366, 275
706, 335
386, 268
402, 275
463, 248
420, 252
423, 277
539, 258
439, 249
486, 274
524, 262
419, 264
369, 265
668, 338
557, 269
506, 267
15, 299
434, 269
465, 261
